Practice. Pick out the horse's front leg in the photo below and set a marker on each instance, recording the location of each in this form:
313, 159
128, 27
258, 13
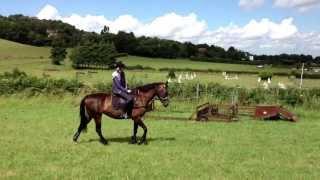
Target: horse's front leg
145, 131
134, 136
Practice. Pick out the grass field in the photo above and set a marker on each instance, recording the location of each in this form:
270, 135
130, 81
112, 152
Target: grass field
36, 133
12, 50
35, 61
186, 63
36, 143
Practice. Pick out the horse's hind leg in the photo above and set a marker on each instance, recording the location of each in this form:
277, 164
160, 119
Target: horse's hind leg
97, 120
82, 127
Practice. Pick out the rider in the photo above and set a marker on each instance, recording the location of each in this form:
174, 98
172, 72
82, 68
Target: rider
119, 88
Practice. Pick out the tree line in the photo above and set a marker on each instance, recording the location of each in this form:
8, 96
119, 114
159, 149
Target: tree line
33, 31
30, 30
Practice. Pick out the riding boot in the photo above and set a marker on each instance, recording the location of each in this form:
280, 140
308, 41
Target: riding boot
129, 109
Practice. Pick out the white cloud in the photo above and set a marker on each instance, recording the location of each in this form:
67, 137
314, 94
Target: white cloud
125, 22
174, 26
251, 34
250, 4
257, 36
48, 12
301, 5
87, 23
265, 37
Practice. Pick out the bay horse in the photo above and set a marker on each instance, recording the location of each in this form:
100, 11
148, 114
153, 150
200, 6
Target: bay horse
93, 106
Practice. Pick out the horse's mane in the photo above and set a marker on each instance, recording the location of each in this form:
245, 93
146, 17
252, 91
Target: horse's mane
147, 87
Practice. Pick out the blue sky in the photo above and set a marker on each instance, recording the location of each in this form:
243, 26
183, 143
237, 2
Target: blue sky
214, 15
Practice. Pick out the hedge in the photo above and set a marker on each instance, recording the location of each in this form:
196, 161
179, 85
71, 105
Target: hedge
17, 81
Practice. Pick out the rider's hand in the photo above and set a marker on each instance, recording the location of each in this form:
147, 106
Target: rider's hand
129, 91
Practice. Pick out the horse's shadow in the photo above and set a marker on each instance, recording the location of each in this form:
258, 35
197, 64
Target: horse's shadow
128, 139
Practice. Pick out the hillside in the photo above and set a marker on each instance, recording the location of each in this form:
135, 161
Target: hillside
13, 50
33, 31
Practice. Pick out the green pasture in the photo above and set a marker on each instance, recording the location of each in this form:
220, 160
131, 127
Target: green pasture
36, 143
35, 61
11, 50
186, 63
36, 132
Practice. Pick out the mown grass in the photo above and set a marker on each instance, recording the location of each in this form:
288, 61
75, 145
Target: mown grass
36, 143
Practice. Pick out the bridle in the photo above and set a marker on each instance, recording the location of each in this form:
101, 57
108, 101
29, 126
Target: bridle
163, 98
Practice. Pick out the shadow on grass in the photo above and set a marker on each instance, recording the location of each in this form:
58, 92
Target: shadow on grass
128, 139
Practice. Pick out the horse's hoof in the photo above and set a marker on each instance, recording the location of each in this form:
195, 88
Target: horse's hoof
133, 140
104, 142
75, 140
143, 142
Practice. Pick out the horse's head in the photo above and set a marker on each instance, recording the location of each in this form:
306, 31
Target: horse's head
162, 93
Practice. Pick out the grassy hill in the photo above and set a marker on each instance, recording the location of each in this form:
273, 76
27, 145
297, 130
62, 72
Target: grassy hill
25, 57
13, 50
36, 61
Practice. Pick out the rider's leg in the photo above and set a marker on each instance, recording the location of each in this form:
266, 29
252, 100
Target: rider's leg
129, 102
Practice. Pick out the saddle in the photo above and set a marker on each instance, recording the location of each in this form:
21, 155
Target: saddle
118, 102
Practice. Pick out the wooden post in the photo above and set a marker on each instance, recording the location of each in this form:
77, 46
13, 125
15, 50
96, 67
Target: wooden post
198, 91
301, 78
77, 78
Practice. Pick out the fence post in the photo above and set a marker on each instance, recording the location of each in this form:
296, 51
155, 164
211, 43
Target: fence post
198, 91
301, 77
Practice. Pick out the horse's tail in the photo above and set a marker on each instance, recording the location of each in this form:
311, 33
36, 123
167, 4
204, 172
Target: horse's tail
83, 115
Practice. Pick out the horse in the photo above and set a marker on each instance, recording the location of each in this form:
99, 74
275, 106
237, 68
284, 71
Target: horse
92, 106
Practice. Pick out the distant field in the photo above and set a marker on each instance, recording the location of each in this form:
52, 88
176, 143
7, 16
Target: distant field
35, 61
186, 63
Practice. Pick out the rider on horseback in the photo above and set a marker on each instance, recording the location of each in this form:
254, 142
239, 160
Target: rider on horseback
119, 88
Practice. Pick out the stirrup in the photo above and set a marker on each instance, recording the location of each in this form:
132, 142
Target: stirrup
125, 116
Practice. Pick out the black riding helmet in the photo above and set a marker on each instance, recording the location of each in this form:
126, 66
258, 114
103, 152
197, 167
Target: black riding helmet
119, 64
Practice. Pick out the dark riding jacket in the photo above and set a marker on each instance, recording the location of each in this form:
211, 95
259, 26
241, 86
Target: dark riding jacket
118, 83
119, 86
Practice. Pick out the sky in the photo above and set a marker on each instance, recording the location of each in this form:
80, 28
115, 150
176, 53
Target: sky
256, 26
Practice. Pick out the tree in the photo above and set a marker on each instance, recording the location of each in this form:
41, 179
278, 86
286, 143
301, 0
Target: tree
30, 30
317, 60
105, 30
93, 54
58, 54
125, 42
191, 49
